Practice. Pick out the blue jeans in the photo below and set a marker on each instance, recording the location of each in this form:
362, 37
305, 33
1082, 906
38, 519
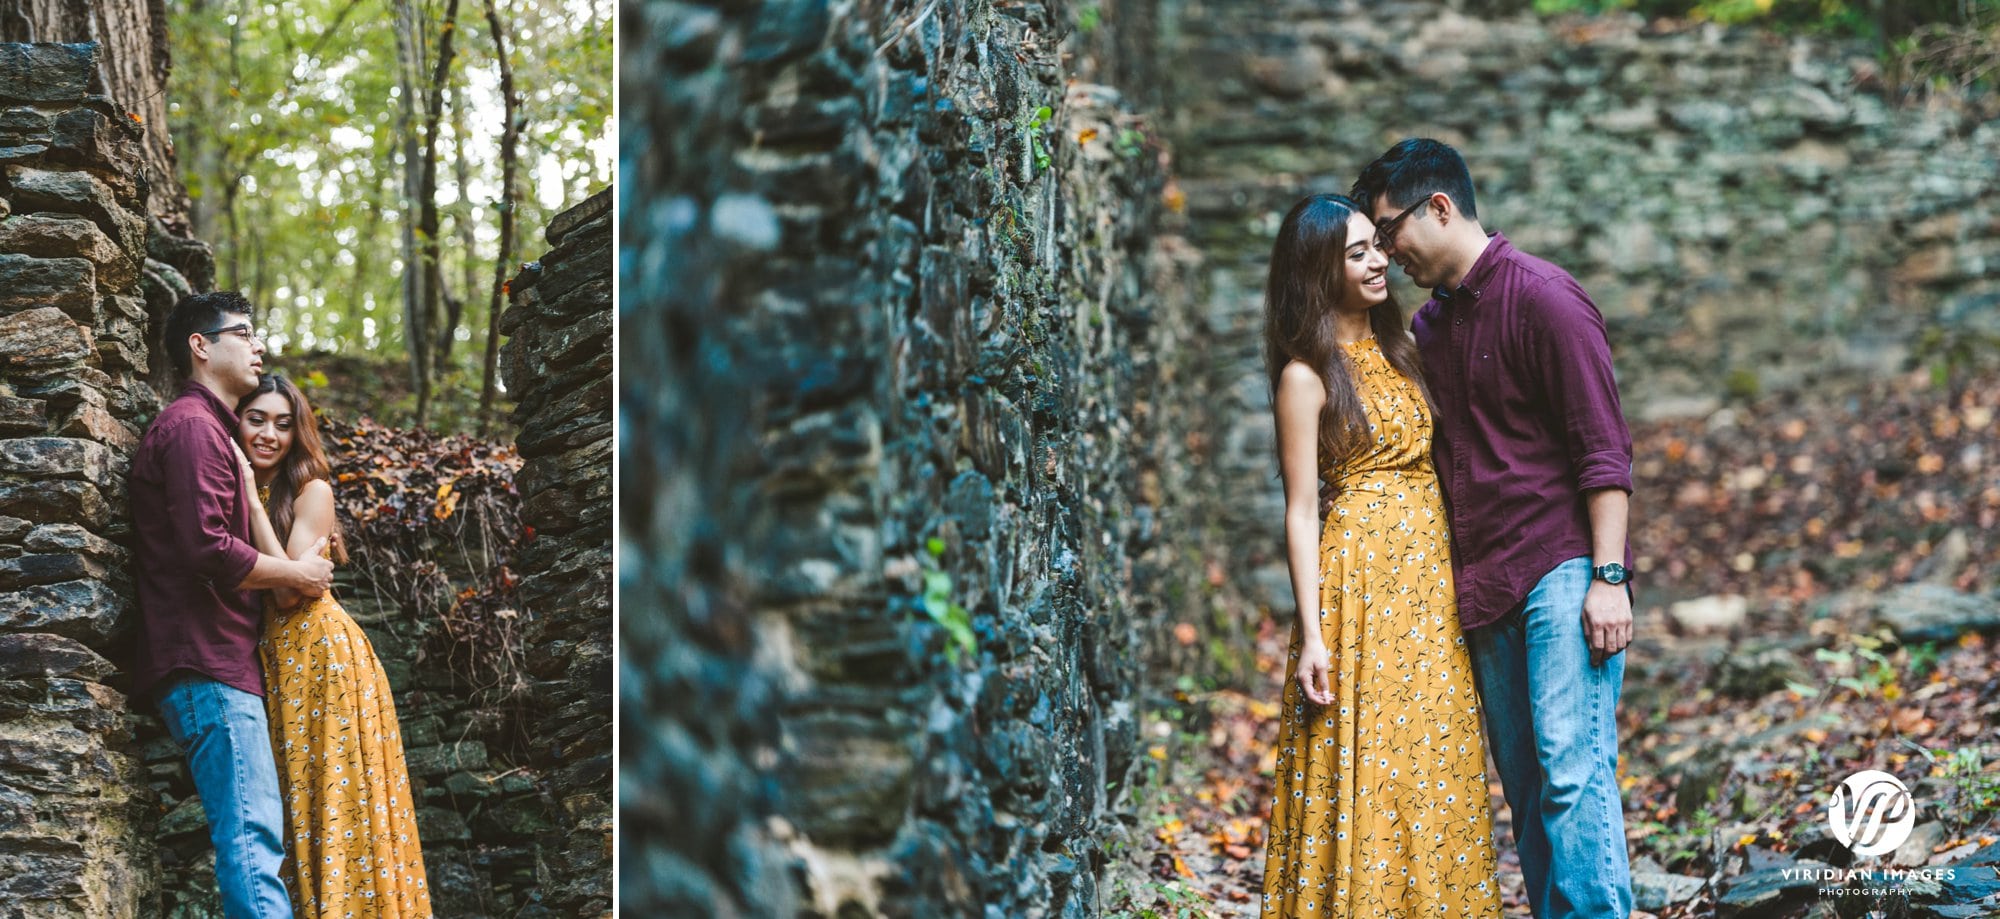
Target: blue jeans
228, 744
1552, 718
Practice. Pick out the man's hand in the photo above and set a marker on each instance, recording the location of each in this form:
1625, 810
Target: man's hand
315, 571
1607, 620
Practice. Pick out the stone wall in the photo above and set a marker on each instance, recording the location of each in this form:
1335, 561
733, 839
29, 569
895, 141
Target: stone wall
558, 363
901, 432
75, 809
1750, 211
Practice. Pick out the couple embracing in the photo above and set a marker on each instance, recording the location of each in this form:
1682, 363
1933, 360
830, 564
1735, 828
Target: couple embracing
1472, 555
267, 685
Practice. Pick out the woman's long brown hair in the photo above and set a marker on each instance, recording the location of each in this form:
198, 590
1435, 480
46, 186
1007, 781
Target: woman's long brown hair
1305, 286
304, 462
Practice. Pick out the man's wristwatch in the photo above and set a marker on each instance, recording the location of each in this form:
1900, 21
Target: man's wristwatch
1611, 573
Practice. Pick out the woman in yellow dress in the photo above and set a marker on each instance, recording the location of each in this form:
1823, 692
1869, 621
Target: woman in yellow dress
1380, 803
350, 816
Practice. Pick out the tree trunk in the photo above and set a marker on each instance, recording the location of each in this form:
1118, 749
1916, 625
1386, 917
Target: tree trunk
409, 60
462, 220
428, 227
509, 137
356, 326
204, 158
235, 227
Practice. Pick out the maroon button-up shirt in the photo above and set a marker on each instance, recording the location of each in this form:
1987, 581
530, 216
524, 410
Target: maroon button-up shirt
1528, 422
192, 529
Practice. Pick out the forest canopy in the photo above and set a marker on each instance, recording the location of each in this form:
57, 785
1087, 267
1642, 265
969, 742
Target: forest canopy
312, 134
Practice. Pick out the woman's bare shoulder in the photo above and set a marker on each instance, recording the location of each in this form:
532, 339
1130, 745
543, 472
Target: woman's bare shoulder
1300, 381
316, 493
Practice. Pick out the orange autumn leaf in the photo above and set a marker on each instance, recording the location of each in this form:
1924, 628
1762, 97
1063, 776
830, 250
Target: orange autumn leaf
1086, 135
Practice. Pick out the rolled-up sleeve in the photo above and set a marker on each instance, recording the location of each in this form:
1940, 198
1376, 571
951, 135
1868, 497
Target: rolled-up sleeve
200, 478
1574, 358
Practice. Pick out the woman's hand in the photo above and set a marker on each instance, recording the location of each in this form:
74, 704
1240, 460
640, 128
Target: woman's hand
1315, 673
243, 462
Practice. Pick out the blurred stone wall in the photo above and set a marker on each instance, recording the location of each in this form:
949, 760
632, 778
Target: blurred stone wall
902, 431
557, 363
75, 809
1751, 212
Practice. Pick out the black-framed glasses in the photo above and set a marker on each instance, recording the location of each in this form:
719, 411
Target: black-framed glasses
1385, 232
242, 328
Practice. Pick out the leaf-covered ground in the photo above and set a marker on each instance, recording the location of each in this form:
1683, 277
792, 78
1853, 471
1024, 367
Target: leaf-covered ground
433, 522
1784, 522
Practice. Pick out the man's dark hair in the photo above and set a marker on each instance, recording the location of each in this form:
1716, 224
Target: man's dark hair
1417, 167
198, 313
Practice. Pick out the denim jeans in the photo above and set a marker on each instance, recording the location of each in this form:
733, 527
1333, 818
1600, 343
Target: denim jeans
228, 744
1552, 718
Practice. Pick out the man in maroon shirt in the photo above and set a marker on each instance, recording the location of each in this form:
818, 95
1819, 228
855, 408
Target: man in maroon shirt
200, 606
1535, 461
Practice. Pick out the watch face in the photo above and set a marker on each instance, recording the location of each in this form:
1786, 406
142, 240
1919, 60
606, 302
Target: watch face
1613, 573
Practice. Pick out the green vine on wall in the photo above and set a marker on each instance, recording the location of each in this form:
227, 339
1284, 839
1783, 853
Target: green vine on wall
1032, 129
943, 611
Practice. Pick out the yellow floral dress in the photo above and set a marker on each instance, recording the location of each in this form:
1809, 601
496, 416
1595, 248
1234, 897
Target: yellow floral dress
351, 847
1380, 802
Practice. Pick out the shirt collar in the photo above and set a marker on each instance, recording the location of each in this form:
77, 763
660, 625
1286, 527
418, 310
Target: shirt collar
1476, 280
224, 415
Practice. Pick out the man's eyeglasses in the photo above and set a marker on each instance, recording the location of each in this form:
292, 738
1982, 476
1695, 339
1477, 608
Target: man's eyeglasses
1385, 234
241, 328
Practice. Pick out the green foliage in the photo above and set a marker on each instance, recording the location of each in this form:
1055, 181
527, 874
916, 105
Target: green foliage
937, 604
1872, 672
1973, 788
1130, 142
1972, 785
1682, 842
1953, 352
284, 116
1032, 130
1923, 660
1875, 21
1742, 383
1089, 18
